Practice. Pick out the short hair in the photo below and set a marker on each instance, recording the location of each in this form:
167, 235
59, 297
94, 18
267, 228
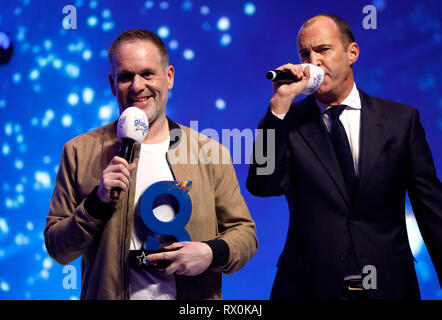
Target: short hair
346, 34
139, 34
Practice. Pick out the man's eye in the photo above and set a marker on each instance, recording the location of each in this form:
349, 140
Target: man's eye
147, 75
124, 78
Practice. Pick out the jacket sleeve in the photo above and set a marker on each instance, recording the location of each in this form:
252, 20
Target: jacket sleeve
70, 228
235, 224
425, 193
270, 151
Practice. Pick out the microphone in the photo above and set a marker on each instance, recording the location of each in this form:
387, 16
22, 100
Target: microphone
281, 76
285, 76
132, 127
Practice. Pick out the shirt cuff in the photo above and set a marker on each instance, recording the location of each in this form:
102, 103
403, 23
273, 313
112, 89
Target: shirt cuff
221, 252
97, 208
280, 116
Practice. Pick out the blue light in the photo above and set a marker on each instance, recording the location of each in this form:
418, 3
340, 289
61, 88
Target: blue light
57, 63
18, 164
106, 14
206, 26
6, 187
34, 121
42, 62
87, 54
20, 238
379, 4
223, 24
47, 44
43, 180
105, 112
249, 9
220, 104
20, 138
93, 4
188, 54
109, 25
88, 95
8, 128
36, 87
66, 120
4, 286
6, 149
148, 4
73, 99
34, 74
164, 5
4, 228
205, 10
48, 117
173, 44
225, 40
4, 41
187, 5
92, 21
16, 77
21, 34
72, 70
163, 32
29, 225
19, 188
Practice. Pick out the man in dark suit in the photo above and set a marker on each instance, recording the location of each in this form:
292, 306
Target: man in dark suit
344, 161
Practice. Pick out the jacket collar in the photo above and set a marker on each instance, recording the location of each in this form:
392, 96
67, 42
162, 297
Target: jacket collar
372, 135
374, 130
315, 134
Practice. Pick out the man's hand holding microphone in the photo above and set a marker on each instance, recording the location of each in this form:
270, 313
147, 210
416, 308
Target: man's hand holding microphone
289, 81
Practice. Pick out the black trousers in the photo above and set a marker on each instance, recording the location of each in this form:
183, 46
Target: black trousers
284, 288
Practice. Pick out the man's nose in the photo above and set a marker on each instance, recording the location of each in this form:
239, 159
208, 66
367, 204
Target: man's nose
315, 58
137, 83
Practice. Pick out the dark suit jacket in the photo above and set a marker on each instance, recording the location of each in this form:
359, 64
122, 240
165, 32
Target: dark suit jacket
394, 158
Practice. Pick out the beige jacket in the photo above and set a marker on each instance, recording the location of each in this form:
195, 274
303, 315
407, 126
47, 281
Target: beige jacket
218, 212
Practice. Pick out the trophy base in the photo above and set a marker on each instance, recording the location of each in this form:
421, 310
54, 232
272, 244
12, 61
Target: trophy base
138, 260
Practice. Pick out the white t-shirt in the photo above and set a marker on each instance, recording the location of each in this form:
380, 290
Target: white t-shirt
152, 167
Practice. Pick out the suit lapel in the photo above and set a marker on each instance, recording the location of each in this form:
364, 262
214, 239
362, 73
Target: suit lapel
372, 137
316, 136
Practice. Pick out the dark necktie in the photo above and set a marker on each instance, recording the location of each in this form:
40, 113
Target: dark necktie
343, 153
342, 149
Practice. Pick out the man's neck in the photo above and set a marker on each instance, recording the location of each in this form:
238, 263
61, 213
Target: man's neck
158, 131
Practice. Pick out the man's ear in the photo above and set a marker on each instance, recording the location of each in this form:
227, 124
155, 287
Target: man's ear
353, 52
112, 84
170, 77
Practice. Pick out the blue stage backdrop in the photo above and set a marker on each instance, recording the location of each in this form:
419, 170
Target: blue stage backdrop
55, 87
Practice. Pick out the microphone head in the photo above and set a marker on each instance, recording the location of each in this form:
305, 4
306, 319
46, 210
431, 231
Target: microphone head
133, 124
271, 75
315, 80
